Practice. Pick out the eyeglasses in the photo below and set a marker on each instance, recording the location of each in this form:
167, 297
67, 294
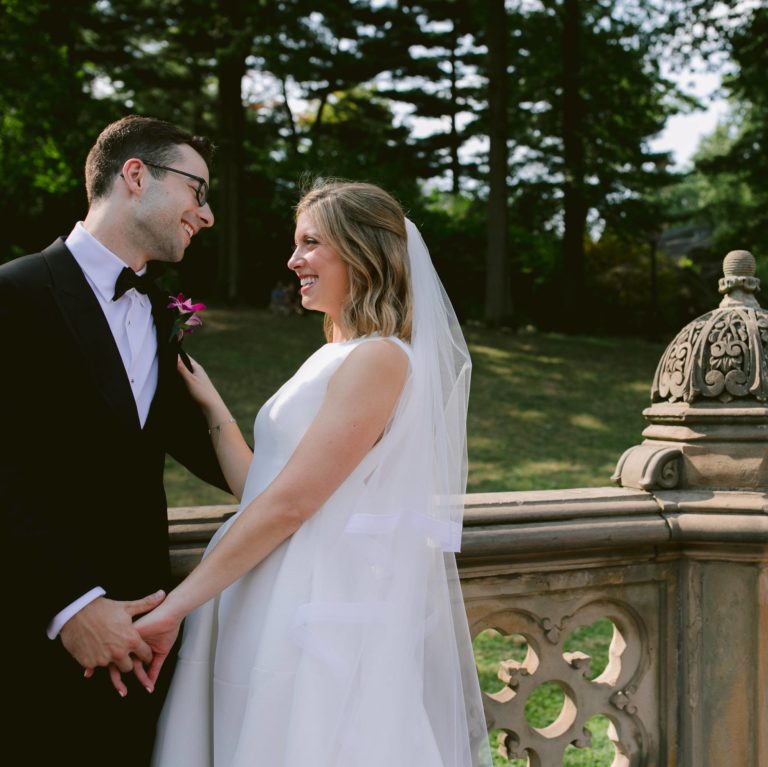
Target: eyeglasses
201, 193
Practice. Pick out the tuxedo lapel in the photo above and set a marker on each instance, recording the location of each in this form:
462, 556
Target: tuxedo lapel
82, 314
167, 348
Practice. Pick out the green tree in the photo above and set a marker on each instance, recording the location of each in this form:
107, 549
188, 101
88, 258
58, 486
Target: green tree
735, 158
727, 191
591, 95
48, 119
190, 61
437, 81
185, 62
497, 283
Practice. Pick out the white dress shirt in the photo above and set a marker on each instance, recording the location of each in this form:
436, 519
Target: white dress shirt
133, 328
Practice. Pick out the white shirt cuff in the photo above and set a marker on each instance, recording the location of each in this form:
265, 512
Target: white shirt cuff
57, 624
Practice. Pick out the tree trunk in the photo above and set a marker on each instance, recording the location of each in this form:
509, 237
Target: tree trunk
455, 162
574, 198
498, 302
294, 136
229, 161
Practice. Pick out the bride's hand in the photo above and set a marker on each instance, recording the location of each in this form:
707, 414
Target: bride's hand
159, 630
200, 386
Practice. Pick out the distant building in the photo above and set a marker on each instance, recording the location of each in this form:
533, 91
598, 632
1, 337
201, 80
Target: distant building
689, 239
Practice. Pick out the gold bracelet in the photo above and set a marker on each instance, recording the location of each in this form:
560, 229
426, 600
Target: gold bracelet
217, 427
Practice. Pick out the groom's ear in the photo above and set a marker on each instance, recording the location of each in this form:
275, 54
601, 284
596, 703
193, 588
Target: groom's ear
132, 172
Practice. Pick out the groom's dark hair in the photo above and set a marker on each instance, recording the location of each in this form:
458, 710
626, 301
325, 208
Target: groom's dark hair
146, 138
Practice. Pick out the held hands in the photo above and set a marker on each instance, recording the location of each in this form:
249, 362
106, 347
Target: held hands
157, 630
103, 634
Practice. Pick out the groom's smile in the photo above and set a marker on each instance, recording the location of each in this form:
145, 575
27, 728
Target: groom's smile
173, 200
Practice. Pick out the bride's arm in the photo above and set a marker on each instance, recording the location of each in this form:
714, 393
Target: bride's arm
232, 450
360, 399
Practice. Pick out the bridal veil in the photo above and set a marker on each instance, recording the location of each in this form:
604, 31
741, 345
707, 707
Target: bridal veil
422, 682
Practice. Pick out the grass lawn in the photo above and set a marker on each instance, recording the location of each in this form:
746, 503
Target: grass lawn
546, 411
551, 411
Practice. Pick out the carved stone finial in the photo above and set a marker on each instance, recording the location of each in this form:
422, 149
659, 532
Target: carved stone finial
722, 355
739, 283
708, 421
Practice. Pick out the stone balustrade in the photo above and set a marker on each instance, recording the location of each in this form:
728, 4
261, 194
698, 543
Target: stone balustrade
675, 557
683, 578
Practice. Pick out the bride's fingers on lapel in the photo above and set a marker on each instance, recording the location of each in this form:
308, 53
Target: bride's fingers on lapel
88, 673
185, 360
183, 367
117, 680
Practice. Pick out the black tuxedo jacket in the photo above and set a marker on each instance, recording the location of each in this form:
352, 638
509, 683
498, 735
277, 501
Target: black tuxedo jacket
81, 483
83, 505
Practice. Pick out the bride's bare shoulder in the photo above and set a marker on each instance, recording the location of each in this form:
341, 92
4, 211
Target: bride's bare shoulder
384, 352
379, 362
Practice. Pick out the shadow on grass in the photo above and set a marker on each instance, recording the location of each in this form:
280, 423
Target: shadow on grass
546, 410
550, 411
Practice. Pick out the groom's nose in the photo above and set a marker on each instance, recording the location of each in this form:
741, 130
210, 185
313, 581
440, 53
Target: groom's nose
205, 214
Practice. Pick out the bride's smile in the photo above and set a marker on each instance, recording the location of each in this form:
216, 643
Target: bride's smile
323, 275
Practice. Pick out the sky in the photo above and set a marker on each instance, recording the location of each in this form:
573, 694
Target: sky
683, 132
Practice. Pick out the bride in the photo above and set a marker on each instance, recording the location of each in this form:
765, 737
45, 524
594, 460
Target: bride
325, 624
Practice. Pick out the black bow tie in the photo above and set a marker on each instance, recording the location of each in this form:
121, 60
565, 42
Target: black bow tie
128, 279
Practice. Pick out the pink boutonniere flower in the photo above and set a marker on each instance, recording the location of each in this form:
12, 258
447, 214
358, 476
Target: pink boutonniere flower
186, 320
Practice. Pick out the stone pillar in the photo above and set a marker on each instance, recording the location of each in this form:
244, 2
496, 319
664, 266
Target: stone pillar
705, 460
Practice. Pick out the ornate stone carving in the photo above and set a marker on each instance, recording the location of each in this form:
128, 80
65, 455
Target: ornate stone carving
648, 467
722, 355
609, 694
708, 421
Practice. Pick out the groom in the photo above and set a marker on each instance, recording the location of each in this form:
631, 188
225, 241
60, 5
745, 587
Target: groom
91, 403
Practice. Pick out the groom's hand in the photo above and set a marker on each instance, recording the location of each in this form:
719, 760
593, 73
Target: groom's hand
103, 634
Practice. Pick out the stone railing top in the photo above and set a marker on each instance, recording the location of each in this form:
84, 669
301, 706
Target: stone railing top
579, 523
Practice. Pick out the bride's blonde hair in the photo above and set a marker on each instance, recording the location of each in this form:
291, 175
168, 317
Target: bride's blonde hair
366, 227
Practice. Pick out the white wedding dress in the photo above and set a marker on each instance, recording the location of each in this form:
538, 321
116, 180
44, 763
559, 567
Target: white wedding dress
329, 653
